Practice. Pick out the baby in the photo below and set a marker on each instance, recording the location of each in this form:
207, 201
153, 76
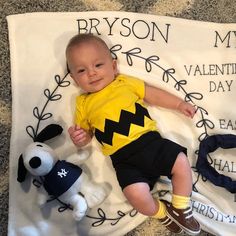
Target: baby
112, 108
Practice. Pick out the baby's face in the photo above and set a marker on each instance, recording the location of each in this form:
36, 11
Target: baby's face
91, 66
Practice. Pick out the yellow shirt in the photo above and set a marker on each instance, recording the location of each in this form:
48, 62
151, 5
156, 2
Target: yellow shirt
115, 114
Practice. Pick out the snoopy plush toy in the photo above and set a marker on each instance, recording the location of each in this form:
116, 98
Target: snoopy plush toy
62, 179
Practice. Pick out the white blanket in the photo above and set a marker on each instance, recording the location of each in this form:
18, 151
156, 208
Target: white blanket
194, 60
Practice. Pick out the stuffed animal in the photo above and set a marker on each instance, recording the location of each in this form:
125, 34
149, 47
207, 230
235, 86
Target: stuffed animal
62, 179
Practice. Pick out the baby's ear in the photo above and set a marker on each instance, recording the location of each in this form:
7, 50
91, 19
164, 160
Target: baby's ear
114, 64
67, 68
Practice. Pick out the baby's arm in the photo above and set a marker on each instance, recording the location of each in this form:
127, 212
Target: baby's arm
159, 97
79, 136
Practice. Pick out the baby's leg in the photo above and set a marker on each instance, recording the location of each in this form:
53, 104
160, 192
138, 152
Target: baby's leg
139, 196
182, 176
180, 210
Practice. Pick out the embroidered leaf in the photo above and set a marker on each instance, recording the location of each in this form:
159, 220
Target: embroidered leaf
64, 83
57, 79
61, 81
51, 96
120, 213
134, 51
114, 49
131, 53
101, 213
56, 97
47, 93
46, 116
194, 95
31, 132
100, 220
41, 116
179, 84
36, 112
202, 136
133, 213
149, 61
205, 123
167, 74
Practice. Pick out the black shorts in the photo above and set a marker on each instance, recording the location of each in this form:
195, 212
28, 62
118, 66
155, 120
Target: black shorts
145, 159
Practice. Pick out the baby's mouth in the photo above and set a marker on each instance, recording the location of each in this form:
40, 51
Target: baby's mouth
95, 81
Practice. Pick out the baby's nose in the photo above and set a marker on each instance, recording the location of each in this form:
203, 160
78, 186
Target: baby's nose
91, 71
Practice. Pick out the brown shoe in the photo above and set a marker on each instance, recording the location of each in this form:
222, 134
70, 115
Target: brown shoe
184, 219
169, 224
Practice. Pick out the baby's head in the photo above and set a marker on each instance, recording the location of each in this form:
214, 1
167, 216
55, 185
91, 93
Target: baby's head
90, 62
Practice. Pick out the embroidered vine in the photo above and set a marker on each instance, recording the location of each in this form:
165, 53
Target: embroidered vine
51, 96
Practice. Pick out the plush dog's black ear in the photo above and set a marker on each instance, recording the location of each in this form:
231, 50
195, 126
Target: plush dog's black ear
22, 171
48, 132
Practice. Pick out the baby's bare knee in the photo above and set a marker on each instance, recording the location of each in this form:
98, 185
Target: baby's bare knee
140, 198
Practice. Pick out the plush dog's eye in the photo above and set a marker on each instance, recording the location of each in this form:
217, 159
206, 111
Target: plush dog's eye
39, 145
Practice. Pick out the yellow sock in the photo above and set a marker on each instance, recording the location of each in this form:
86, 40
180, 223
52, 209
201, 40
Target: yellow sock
161, 213
180, 202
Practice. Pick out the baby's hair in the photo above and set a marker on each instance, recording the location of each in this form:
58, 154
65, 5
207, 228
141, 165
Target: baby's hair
84, 38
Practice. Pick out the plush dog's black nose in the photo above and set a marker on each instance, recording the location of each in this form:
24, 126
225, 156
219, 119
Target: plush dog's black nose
35, 162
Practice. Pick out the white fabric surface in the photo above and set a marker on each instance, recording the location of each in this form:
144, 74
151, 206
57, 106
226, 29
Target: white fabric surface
147, 46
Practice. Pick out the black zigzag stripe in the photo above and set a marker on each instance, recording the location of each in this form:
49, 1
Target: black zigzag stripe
123, 126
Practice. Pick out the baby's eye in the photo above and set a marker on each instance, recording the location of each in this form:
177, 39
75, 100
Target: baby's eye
81, 70
99, 64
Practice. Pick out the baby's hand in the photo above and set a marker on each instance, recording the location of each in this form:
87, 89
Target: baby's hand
187, 109
79, 136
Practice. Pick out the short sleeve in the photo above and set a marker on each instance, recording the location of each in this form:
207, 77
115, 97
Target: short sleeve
137, 85
80, 114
